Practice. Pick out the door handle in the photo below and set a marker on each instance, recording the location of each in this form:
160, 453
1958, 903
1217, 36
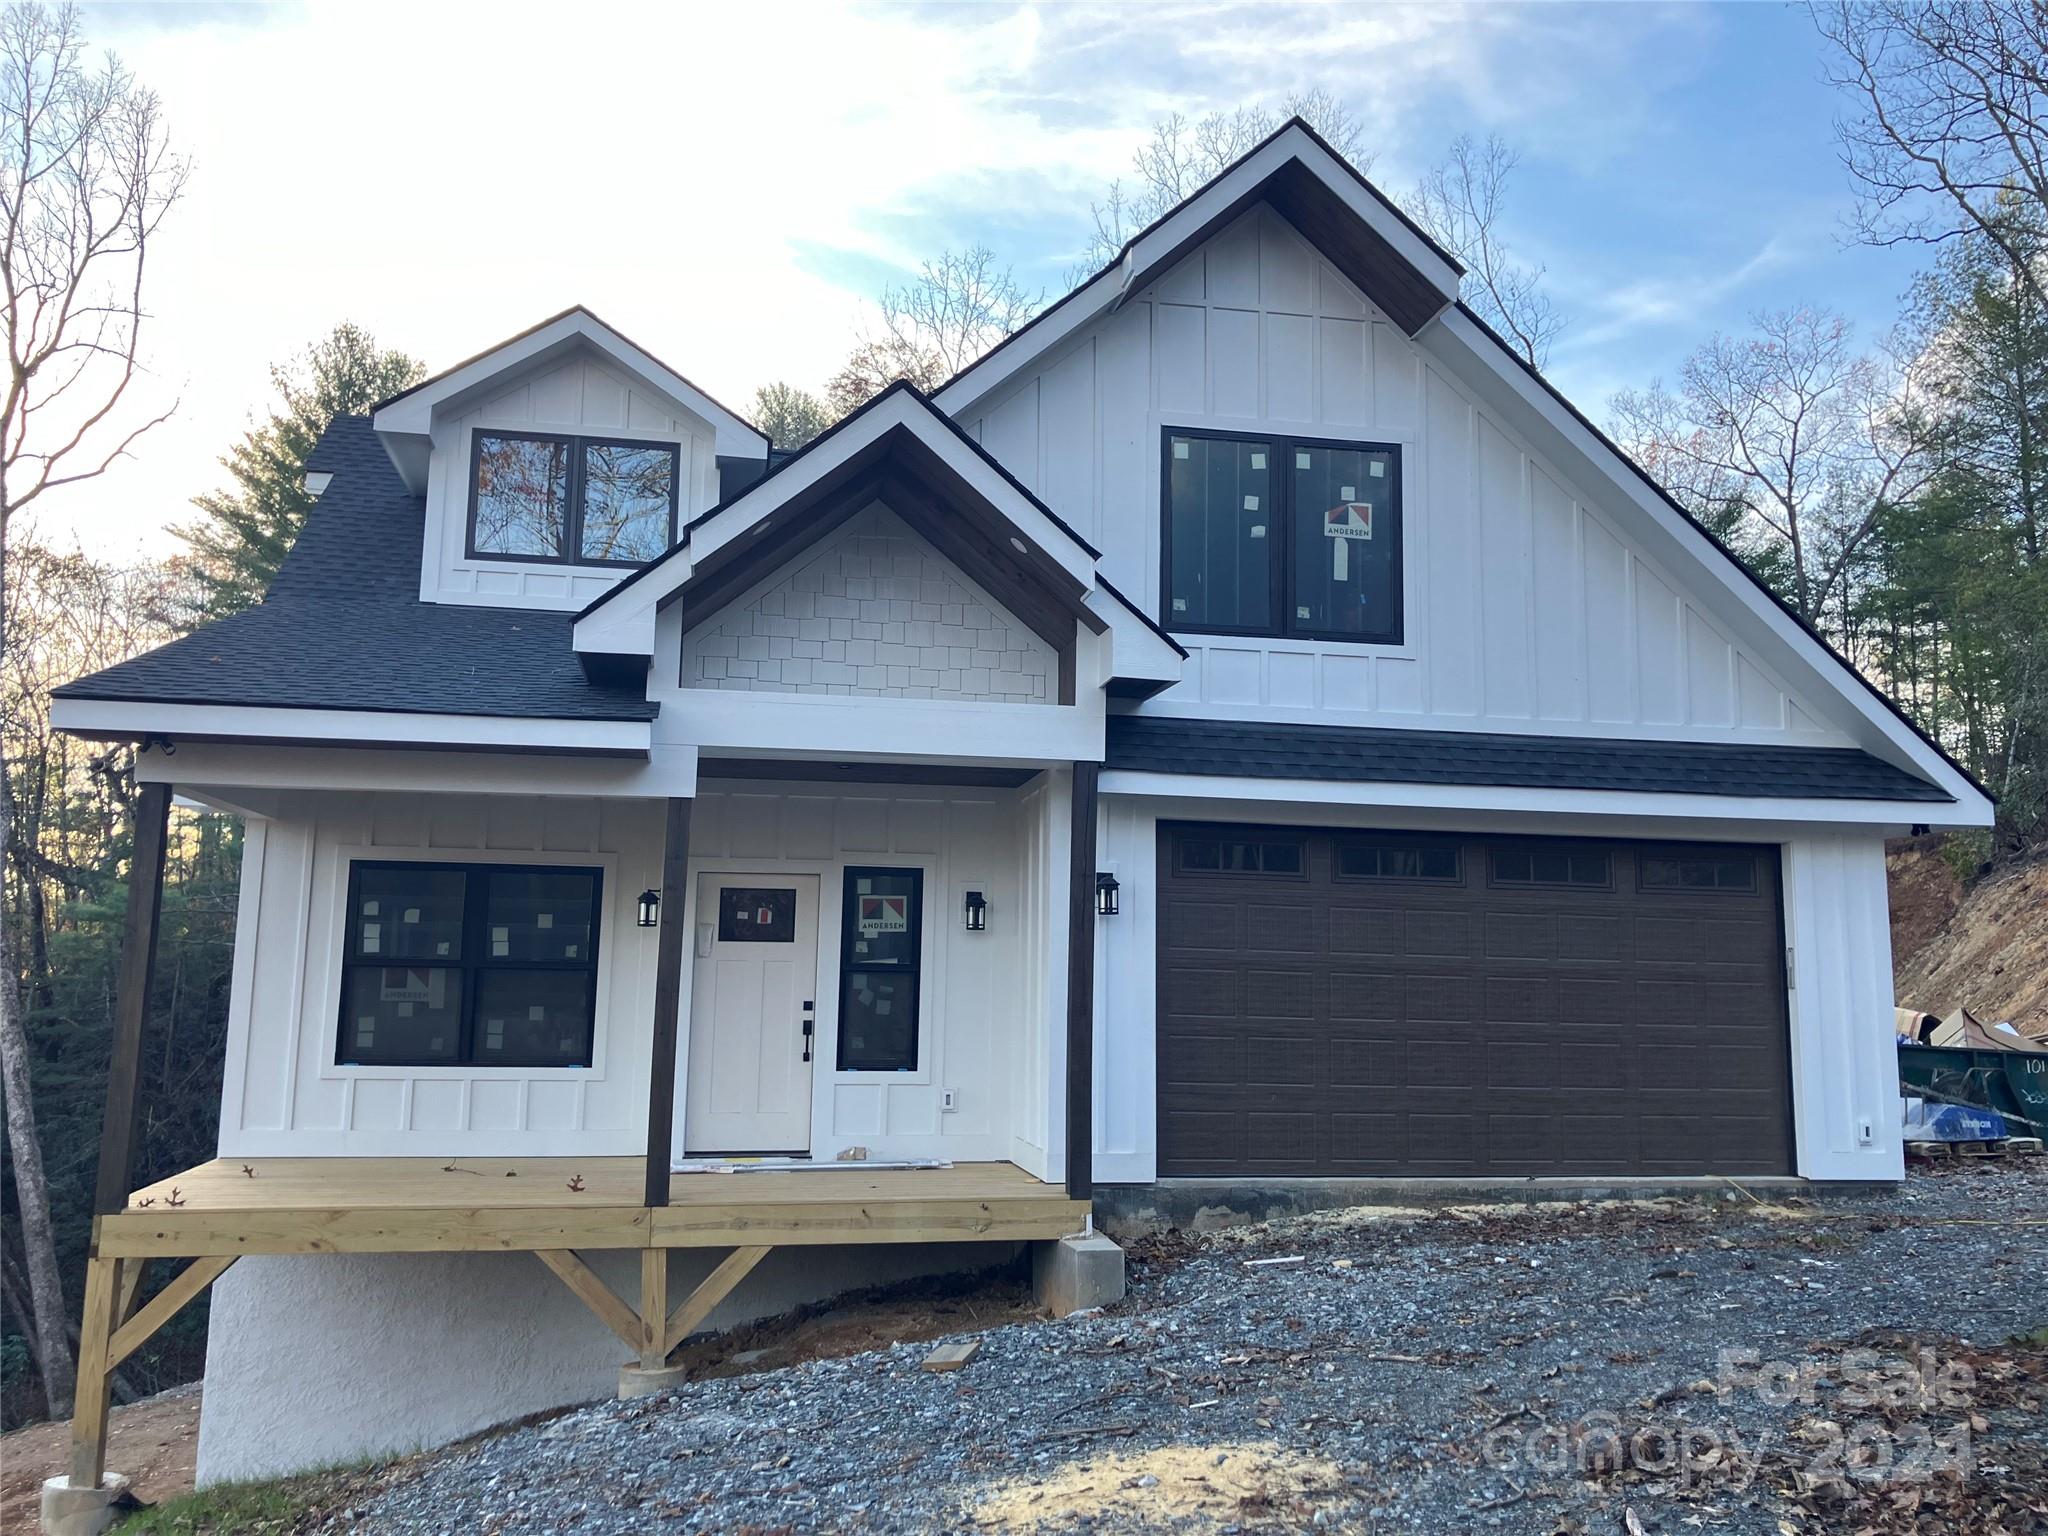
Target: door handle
810, 1029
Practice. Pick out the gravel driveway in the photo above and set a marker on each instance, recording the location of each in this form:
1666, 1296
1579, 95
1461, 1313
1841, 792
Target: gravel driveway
1543, 1369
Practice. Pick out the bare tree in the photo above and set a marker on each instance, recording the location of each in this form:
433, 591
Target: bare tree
1950, 112
1461, 202
86, 177
1797, 430
1184, 153
960, 305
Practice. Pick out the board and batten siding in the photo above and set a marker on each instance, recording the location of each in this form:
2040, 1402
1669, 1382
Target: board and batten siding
978, 1038
1527, 608
284, 1095
581, 395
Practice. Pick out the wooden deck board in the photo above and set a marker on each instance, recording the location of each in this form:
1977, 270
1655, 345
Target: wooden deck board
408, 1205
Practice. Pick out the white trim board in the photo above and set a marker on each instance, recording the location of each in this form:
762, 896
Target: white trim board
347, 727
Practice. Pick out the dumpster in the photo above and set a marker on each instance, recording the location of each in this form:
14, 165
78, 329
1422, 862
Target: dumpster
2013, 1084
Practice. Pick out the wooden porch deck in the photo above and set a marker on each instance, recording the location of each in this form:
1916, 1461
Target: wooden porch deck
427, 1205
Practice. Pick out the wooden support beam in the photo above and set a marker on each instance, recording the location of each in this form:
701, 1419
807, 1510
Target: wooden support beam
594, 1294
1081, 988
131, 998
668, 1001
128, 1288
164, 1305
653, 1307
715, 1287
89, 1407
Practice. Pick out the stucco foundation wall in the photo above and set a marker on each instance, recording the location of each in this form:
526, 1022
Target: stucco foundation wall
318, 1359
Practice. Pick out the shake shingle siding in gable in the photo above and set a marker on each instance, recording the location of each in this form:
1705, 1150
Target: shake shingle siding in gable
1241, 749
343, 626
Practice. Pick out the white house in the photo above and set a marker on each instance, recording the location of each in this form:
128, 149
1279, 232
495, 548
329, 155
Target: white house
1246, 726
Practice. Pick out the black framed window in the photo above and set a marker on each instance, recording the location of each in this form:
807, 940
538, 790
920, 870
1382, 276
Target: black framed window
1281, 536
469, 965
1551, 866
1398, 859
1224, 853
575, 500
881, 949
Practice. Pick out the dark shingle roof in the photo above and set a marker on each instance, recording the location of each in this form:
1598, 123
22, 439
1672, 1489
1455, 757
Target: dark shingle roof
343, 626
1257, 750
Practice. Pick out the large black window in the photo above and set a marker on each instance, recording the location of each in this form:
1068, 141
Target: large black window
880, 956
1282, 536
580, 500
469, 964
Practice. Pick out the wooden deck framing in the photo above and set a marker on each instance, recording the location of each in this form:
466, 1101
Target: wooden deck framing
215, 1213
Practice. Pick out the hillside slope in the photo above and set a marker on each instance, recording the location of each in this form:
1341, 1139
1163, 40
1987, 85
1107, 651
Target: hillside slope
1983, 946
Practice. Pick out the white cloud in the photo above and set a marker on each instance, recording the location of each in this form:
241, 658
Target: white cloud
722, 182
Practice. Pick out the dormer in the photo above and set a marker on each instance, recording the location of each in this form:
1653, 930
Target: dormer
558, 462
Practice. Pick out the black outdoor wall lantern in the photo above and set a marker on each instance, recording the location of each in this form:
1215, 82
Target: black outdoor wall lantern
1105, 893
650, 909
975, 915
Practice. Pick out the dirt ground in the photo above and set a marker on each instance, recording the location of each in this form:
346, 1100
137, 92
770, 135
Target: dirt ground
1983, 947
155, 1441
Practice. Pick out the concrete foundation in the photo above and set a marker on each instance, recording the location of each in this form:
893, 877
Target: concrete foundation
1196, 1205
324, 1358
650, 1381
69, 1511
1078, 1273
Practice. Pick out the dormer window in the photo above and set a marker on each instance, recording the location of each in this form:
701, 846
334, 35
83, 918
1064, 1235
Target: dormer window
537, 496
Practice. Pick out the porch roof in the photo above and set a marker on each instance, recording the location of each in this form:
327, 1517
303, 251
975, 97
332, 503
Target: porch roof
1267, 750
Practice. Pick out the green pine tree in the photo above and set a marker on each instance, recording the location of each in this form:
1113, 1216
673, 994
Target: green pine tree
245, 530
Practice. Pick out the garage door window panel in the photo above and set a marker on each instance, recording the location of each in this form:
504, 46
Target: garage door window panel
1224, 854
1735, 872
1399, 860
1588, 869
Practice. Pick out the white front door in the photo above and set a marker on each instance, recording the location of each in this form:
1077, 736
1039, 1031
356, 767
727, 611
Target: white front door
752, 1007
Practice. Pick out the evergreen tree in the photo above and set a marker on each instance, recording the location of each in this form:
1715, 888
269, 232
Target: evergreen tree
790, 416
245, 531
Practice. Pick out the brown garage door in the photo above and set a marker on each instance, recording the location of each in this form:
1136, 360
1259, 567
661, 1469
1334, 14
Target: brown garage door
1382, 1004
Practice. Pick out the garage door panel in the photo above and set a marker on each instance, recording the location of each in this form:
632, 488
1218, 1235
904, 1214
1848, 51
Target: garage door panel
1365, 1062
1201, 992
1290, 929
1366, 931
1461, 1028
1365, 995
1272, 994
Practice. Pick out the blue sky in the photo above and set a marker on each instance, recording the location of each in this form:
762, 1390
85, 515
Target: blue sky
732, 184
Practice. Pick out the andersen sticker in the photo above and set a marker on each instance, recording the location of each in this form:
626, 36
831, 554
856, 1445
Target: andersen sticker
1351, 520
884, 914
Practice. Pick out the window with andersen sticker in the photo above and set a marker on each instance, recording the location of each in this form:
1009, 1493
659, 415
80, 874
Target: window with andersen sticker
469, 964
1281, 536
880, 960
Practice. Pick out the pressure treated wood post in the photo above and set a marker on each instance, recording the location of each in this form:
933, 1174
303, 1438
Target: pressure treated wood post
653, 1308
131, 999
668, 1000
89, 1407
1081, 989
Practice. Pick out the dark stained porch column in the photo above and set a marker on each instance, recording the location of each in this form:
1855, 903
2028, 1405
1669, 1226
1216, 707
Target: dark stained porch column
668, 1000
1081, 989
131, 999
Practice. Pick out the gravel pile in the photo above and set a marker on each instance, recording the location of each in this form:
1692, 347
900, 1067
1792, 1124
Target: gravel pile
1526, 1369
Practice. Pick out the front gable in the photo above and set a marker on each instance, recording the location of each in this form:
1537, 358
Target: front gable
872, 610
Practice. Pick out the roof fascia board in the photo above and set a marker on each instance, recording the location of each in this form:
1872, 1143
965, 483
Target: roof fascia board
210, 767
1137, 652
412, 413
1135, 268
114, 719
1890, 815
1484, 365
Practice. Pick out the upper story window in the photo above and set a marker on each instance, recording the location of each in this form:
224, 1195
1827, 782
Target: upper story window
571, 500
1282, 536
